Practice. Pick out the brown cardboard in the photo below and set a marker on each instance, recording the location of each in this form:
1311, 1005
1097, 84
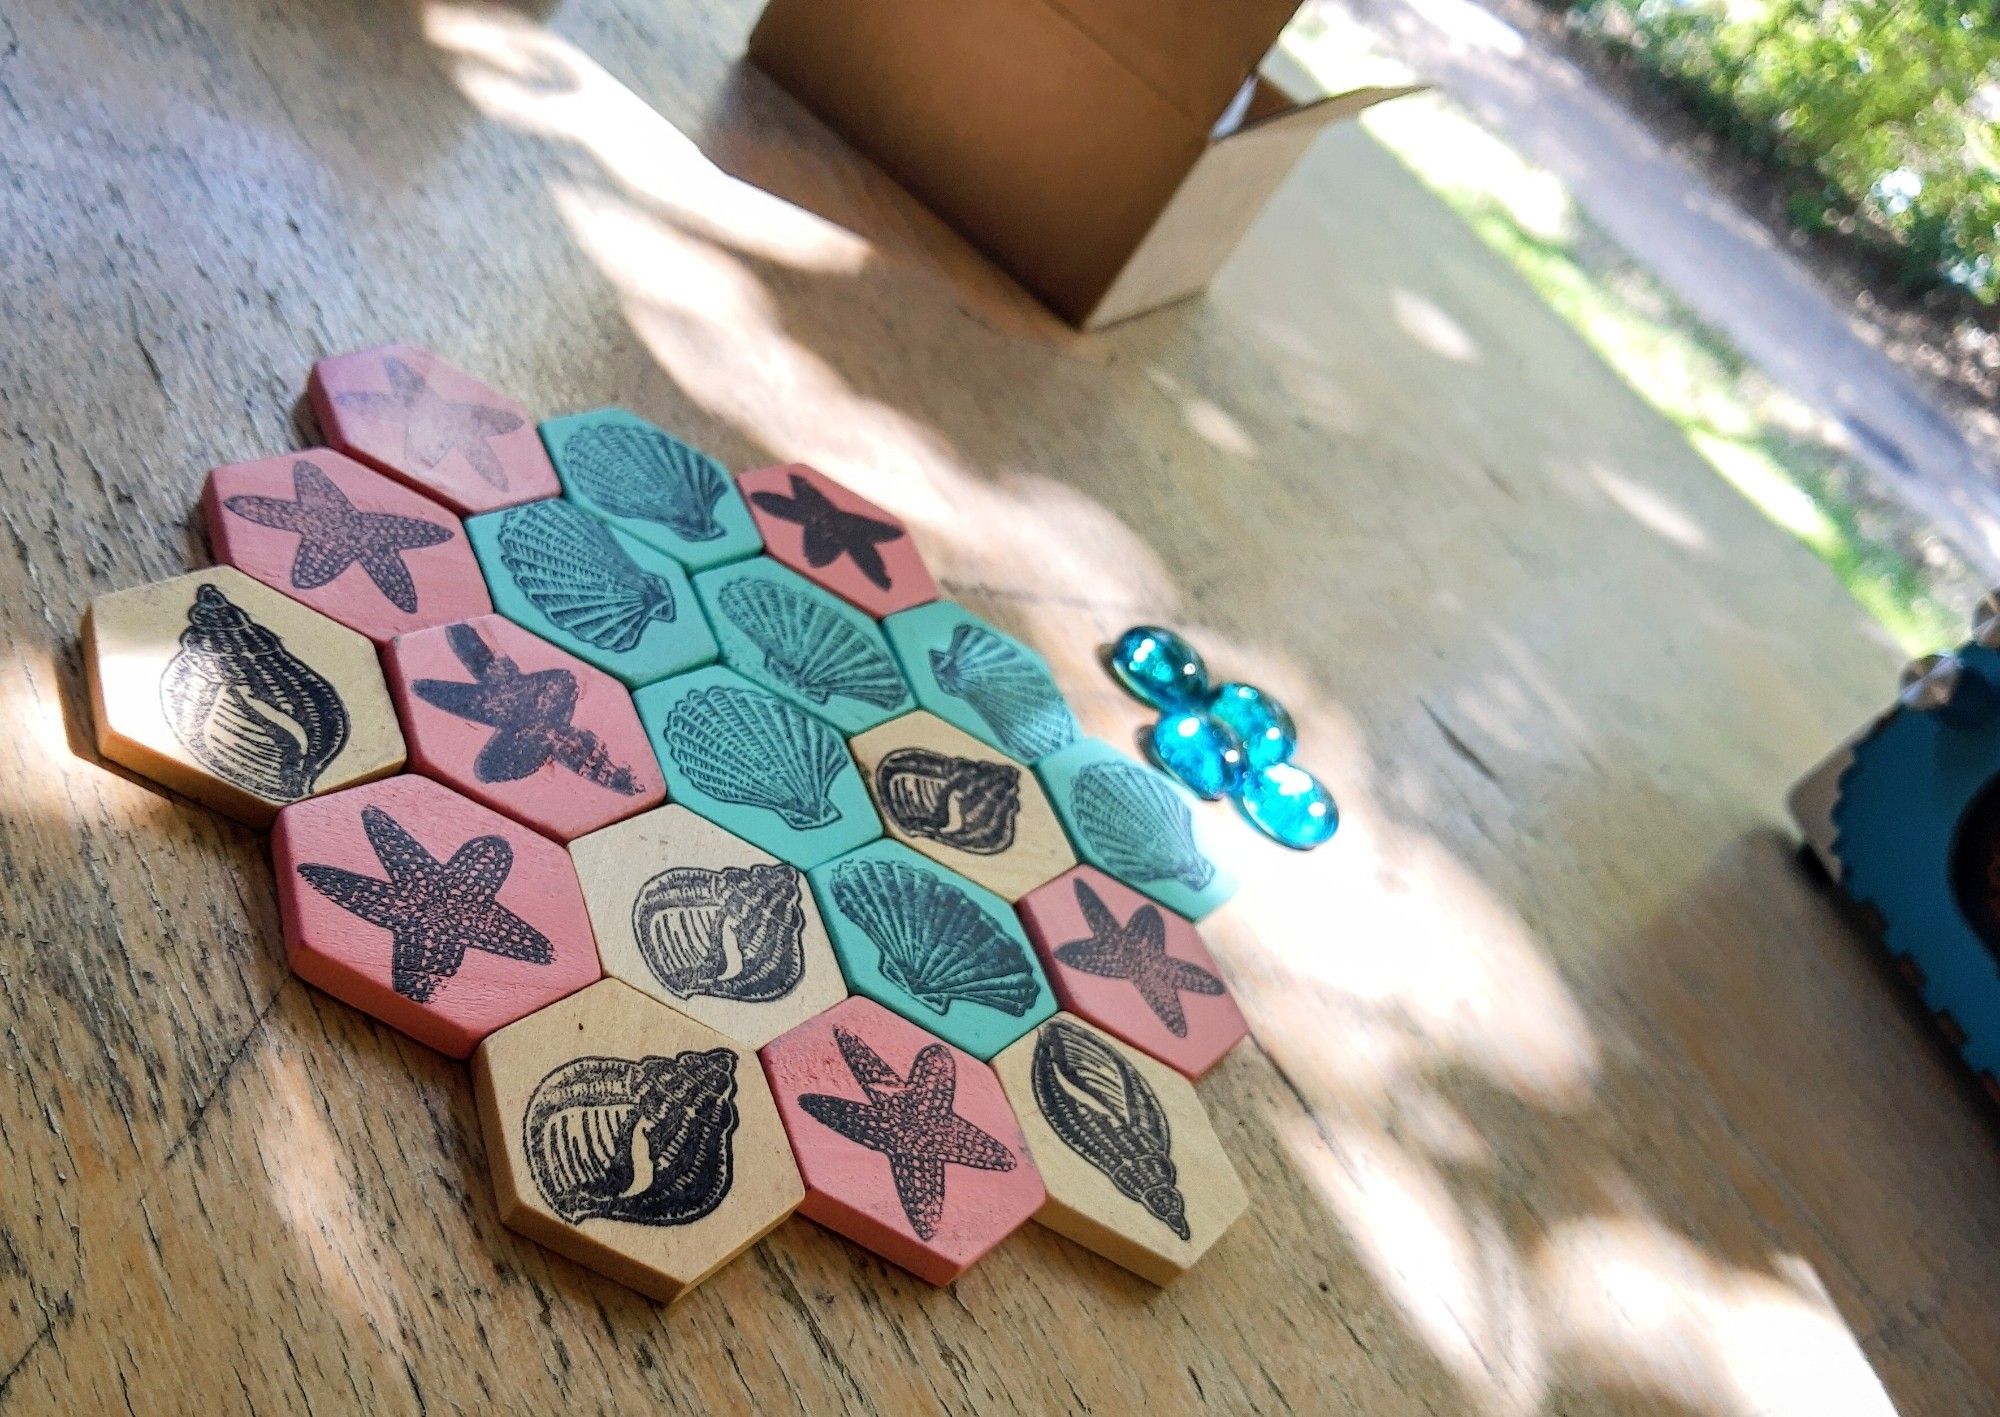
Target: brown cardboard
1068, 139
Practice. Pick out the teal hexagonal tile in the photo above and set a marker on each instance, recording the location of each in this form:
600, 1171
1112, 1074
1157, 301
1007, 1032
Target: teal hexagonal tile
803, 644
1134, 823
757, 766
651, 485
607, 598
945, 954
985, 682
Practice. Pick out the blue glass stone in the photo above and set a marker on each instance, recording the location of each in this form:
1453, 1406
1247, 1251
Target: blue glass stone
1258, 720
1160, 668
1288, 805
1197, 752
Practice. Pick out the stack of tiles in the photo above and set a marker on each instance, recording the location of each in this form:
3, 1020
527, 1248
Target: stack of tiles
751, 875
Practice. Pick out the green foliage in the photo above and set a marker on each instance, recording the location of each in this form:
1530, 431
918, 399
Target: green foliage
1883, 112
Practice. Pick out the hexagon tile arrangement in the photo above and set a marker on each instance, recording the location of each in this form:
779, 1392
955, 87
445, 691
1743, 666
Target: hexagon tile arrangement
632, 1139
906, 1145
982, 681
837, 538
428, 911
648, 483
511, 721
360, 549
608, 598
785, 633
706, 922
1133, 823
221, 688
406, 412
942, 952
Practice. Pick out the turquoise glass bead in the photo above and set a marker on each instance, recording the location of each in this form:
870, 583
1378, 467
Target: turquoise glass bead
1288, 805
1259, 721
1199, 753
1160, 668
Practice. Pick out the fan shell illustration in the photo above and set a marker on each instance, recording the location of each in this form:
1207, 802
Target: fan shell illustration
643, 474
969, 804
246, 708
936, 943
1105, 1111
733, 933
647, 1142
573, 569
1012, 694
747, 747
1139, 825
808, 645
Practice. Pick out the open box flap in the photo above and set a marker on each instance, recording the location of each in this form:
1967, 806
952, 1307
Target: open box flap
1192, 53
1272, 110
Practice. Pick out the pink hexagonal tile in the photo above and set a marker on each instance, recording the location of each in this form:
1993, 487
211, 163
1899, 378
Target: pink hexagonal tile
511, 721
1134, 968
406, 412
428, 911
358, 548
907, 1146
837, 538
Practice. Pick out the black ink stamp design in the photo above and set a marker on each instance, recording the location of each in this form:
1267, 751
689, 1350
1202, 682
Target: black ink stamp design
733, 933
643, 474
645, 1142
936, 943
1012, 693
910, 1121
752, 748
529, 713
434, 911
568, 563
969, 804
1137, 951
245, 707
1108, 1114
1136, 822
809, 644
434, 427
334, 535
831, 533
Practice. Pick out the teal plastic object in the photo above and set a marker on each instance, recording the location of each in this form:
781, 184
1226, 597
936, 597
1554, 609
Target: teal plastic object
1201, 753
1289, 805
803, 644
1132, 822
929, 944
757, 766
651, 485
1917, 826
980, 680
1158, 668
607, 598
1260, 723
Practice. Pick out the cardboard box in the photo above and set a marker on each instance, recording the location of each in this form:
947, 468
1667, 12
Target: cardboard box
1079, 143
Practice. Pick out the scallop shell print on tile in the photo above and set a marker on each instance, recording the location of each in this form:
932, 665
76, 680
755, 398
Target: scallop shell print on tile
749, 748
937, 945
573, 569
1012, 693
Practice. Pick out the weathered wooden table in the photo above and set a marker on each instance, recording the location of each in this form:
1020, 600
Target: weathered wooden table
1571, 1095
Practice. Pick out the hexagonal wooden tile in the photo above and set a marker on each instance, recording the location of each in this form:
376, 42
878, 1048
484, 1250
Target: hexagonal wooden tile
1132, 1165
428, 911
837, 538
947, 955
632, 1139
607, 598
781, 631
708, 923
963, 804
511, 721
647, 482
758, 766
1133, 968
406, 412
219, 687
1132, 822
906, 1145
367, 552
985, 682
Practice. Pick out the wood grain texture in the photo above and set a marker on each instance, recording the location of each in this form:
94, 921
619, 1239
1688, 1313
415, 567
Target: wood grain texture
1569, 1095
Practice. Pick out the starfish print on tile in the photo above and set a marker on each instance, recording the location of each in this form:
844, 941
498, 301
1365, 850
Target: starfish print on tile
831, 533
333, 535
1136, 950
433, 426
910, 1121
530, 716
434, 911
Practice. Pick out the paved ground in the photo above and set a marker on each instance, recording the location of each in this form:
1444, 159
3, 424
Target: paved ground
1719, 262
